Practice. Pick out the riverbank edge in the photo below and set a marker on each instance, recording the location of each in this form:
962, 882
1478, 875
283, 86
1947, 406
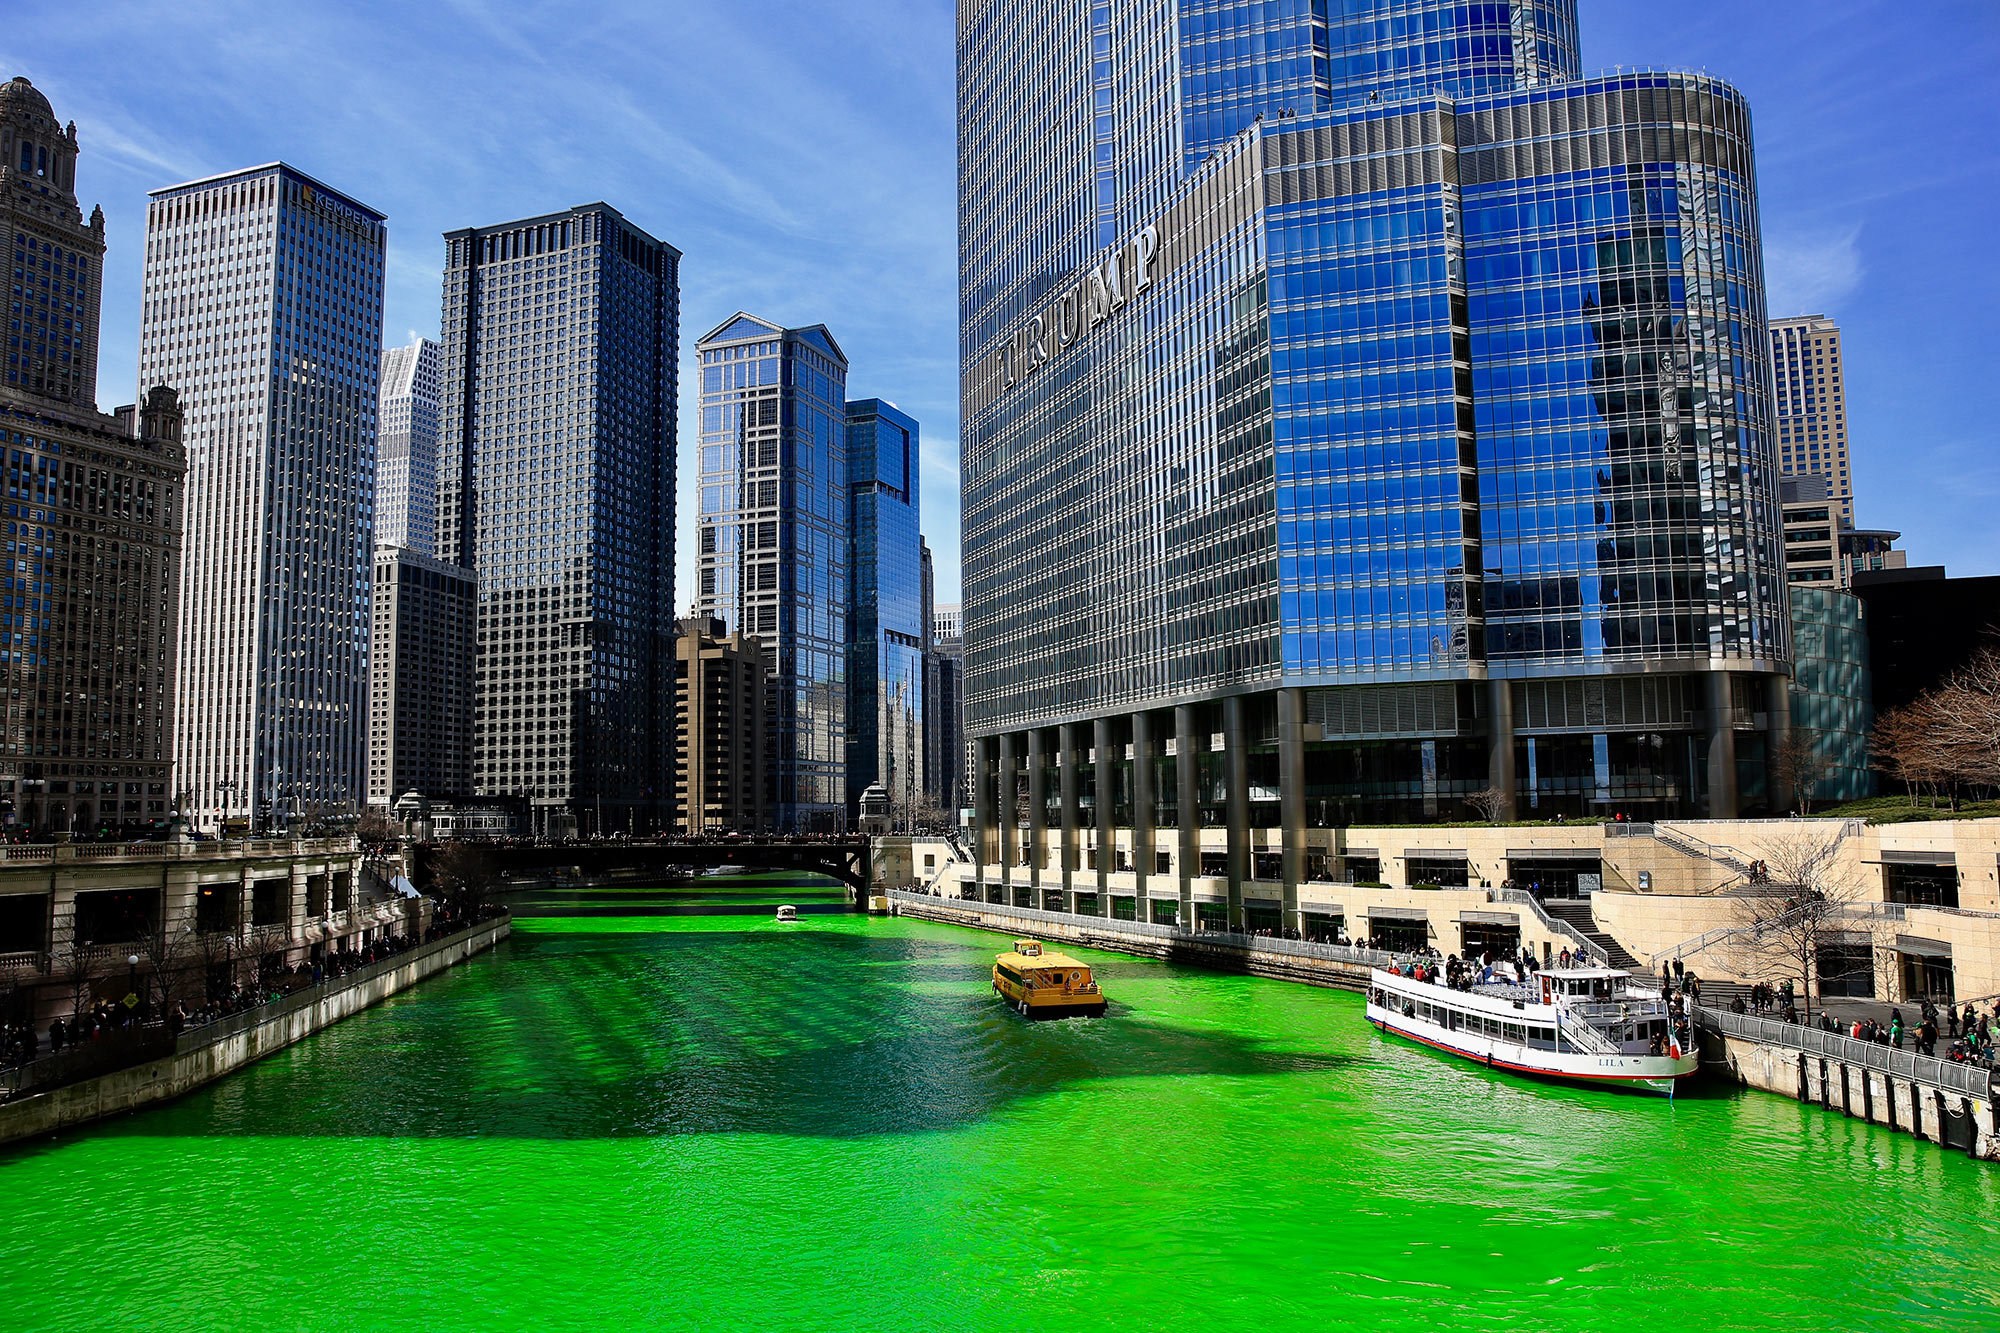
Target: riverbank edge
1761, 1066
230, 1049
1901, 1105
1206, 951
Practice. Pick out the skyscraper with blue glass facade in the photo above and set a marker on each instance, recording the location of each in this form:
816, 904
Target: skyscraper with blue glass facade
557, 440
1363, 408
773, 543
886, 624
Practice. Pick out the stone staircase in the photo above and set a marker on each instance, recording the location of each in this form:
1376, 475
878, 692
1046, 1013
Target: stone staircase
1576, 911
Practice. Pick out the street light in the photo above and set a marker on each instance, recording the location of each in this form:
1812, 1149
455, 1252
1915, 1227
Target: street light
132, 979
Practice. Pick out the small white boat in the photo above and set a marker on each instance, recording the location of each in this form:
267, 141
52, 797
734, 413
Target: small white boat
788, 913
1587, 1025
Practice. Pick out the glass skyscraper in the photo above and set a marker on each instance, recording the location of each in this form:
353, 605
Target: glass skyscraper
557, 429
887, 630
263, 306
774, 543
406, 462
1363, 408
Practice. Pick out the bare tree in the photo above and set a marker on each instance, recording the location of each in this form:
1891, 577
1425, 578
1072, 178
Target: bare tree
1489, 802
170, 950
1801, 764
375, 827
1784, 925
466, 874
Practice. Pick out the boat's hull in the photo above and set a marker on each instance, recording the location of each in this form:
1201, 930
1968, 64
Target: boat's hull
1650, 1074
1027, 1007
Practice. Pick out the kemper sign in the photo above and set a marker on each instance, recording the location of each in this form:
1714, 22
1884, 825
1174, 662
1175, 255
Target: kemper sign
1082, 306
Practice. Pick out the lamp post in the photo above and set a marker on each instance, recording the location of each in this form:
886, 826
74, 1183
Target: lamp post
132, 981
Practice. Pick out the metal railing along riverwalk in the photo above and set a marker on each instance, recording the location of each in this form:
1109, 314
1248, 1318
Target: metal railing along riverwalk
1328, 953
1970, 1079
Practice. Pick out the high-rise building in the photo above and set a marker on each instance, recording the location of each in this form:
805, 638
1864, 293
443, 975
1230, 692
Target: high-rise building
557, 434
90, 523
774, 545
1812, 405
1821, 547
263, 304
1362, 410
406, 462
947, 710
52, 334
885, 620
420, 677
719, 734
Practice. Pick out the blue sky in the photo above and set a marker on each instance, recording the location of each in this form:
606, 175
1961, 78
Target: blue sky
801, 155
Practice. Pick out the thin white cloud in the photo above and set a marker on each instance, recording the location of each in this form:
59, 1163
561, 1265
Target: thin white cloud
1812, 272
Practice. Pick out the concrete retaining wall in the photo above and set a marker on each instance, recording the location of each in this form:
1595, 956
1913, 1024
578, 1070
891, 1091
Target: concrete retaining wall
1942, 1116
207, 1054
1220, 952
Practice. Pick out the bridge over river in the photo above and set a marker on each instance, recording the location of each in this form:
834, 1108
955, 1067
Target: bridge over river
845, 859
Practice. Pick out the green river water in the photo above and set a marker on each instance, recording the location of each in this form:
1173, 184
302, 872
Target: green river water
652, 1121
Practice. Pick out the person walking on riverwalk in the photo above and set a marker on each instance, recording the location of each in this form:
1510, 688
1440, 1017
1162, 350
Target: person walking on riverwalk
1927, 1036
1896, 1028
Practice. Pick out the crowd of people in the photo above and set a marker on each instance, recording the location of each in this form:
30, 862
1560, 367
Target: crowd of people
1966, 1035
21, 1044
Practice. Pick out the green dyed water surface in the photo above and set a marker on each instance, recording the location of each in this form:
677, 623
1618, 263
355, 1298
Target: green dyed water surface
684, 1122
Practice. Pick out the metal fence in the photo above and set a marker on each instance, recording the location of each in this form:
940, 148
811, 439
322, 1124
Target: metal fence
121, 1049
1522, 898
1326, 953
1970, 1079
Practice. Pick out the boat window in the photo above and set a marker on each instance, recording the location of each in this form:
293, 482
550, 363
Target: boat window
1517, 1032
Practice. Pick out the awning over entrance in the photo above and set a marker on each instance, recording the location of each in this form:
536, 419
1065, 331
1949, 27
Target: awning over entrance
1491, 918
1554, 854
1398, 914
1434, 854
1918, 858
1363, 853
1323, 909
1921, 947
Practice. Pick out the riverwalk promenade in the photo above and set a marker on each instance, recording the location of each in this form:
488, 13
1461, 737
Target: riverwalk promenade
1956, 1106
160, 1066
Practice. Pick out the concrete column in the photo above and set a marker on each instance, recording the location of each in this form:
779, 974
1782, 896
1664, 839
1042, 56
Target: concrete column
1009, 814
246, 904
1038, 843
179, 889
1187, 774
295, 913
1106, 837
1500, 773
1066, 739
1236, 763
1777, 736
1292, 796
1722, 795
1142, 807
982, 808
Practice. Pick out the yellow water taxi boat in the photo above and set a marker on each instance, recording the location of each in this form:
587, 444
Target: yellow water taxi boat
1040, 984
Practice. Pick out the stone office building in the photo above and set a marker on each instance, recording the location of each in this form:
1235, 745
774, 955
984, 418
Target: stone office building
1351, 430
90, 520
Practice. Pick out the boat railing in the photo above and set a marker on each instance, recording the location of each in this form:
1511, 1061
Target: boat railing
1581, 1034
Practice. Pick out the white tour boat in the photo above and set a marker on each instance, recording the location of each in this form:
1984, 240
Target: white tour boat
1583, 1024
788, 913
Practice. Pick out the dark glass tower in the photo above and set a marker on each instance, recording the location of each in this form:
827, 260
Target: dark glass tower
774, 543
556, 459
1362, 408
886, 626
